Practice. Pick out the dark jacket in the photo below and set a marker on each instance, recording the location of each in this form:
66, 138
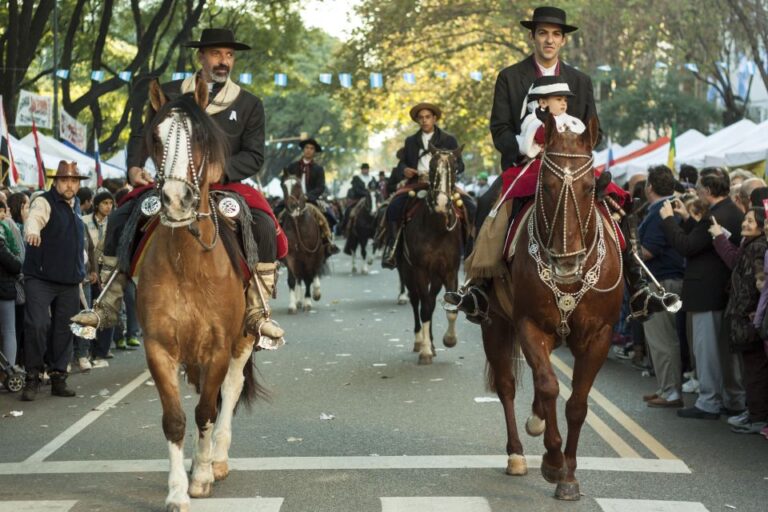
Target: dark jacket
396, 176
60, 257
314, 184
358, 189
707, 277
414, 148
242, 123
10, 267
512, 85
666, 263
747, 264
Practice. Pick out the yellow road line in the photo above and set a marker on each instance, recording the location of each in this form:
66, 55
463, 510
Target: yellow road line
642, 435
603, 430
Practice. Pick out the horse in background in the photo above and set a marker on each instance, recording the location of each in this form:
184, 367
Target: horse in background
190, 296
362, 227
306, 257
565, 284
431, 251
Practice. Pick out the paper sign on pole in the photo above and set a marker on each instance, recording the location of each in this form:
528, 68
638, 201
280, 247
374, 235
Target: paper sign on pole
72, 131
34, 107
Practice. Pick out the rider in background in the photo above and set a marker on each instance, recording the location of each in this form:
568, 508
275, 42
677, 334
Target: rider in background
416, 158
361, 184
312, 177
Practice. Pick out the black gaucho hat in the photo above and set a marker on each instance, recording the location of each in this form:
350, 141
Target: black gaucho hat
217, 38
551, 15
318, 147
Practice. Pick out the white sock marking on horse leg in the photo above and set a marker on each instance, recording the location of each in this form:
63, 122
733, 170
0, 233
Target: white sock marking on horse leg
452, 316
202, 473
230, 392
178, 485
365, 267
292, 300
426, 340
316, 285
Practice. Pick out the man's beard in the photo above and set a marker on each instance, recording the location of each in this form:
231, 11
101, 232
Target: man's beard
219, 79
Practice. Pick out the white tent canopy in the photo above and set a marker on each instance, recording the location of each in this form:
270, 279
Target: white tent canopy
658, 156
717, 143
753, 148
26, 162
601, 157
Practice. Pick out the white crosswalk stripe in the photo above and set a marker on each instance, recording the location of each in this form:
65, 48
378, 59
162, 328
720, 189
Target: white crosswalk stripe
624, 505
37, 506
237, 504
435, 504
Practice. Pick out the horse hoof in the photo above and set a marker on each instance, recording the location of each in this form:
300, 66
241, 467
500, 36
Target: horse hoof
567, 491
364, 272
450, 341
516, 465
425, 359
316, 296
292, 311
369, 261
402, 302
552, 474
534, 425
200, 490
220, 470
307, 307
354, 270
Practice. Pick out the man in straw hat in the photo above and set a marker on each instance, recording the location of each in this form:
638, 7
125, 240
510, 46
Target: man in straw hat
416, 158
240, 115
54, 267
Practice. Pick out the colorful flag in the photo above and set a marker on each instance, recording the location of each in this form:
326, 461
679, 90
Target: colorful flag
125, 76
99, 179
377, 81
671, 156
5, 148
410, 78
246, 78
476, 75
326, 78
281, 79
39, 158
62, 73
345, 79
97, 75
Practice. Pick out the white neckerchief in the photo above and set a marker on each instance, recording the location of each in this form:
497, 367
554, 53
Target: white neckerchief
423, 165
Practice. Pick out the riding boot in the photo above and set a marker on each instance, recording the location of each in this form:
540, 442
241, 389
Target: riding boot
389, 257
31, 386
106, 307
59, 385
472, 299
325, 228
258, 319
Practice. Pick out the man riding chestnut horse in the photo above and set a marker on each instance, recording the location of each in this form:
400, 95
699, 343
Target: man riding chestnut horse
240, 116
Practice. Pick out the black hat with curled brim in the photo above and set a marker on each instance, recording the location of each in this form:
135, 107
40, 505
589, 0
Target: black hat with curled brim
217, 38
318, 147
550, 15
414, 112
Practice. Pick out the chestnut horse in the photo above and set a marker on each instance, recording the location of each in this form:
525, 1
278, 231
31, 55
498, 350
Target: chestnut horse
431, 254
306, 256
565, 284
362, 228
190, 298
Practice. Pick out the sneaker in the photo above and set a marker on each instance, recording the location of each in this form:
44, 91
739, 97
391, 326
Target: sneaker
84, 364
623, 352
98, 362
133, 342
691, 386
754, 427
121, 344
739, 420
109, 355
661, 403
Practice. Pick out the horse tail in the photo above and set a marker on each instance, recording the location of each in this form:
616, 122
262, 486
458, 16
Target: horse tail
511, 349
252, 390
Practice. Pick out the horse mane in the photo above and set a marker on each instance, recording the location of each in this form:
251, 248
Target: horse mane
206, 134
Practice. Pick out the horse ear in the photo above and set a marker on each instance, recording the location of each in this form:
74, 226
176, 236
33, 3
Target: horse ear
593, 132
157, 97
550, 129
457, 152
201, 93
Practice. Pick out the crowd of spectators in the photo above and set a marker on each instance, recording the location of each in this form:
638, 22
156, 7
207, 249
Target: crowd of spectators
50, 245
704, 237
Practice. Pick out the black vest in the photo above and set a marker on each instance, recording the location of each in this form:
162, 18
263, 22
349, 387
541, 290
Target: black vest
60, 257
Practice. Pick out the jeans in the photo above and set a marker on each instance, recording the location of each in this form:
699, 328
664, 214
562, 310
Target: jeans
131, 322
8, 329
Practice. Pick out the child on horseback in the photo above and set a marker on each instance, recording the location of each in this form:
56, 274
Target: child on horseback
547, 96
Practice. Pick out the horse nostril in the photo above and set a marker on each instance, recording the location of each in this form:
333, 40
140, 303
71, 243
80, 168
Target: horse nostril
188, 196
165, 198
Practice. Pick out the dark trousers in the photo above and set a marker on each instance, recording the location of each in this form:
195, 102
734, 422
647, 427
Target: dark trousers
756, 383
46, 318
264, 231
487, 201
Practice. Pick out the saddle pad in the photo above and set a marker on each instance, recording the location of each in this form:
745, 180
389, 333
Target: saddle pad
513, 234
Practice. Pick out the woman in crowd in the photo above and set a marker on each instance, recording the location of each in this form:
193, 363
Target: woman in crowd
10, 269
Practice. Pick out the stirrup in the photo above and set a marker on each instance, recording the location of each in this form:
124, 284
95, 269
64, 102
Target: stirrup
267, 343
476, 314
670, 302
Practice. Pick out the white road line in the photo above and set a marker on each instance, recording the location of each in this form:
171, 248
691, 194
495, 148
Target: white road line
435, 504
81, 424
37, 506
343, 463
237, 504
620, 505
642, 435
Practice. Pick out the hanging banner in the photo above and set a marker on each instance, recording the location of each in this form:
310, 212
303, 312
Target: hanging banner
345, 79
33, 107
377, 80
72, 131
326, 78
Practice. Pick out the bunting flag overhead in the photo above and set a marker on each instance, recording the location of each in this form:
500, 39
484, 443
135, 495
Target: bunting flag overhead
326, 78
5, 148
246, 78
377, 81
62, 73
441, 74
125, 76
476, 75
39, 158
281, 79
410, 78
345, 79
99, 179
672, 151
97, 76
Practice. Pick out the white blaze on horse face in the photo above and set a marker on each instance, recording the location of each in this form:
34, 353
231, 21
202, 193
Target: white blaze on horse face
374, 205
443, 187
175, 139
178, 484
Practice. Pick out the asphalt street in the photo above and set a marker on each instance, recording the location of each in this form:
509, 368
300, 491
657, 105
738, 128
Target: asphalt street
354, 424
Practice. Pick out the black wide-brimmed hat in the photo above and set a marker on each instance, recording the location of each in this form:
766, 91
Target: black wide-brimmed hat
551, 15
217, 38
414, 112
318, 147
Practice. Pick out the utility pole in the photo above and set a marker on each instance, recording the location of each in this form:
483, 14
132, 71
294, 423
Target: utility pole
56, 69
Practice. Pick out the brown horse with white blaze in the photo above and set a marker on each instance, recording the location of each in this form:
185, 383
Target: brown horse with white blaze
190, 298
565, 283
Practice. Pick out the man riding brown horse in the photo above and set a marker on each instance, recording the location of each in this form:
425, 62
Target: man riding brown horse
240, 115
416, 159
548, 34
